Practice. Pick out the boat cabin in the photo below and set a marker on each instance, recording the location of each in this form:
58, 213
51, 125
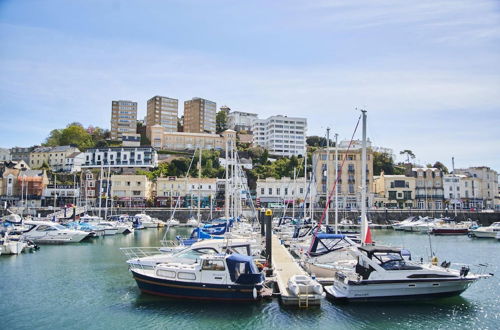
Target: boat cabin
326, 243
213, 269
381, 258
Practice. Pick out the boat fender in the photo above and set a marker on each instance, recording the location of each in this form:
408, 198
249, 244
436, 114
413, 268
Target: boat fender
434, 261
254, 291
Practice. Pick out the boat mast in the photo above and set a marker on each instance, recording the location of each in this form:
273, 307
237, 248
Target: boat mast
294, 192
198, 216
336, 184
226, 188
364, 224
305, 184
327, 219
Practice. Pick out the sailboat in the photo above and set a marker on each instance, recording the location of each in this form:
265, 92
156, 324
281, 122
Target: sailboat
381, 272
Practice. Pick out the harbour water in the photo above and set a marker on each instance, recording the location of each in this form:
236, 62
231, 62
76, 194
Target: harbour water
88, 286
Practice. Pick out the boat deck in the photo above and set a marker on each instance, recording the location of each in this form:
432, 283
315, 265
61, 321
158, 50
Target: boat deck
285, 267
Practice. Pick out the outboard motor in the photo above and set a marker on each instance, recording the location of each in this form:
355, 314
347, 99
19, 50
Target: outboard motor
464, 271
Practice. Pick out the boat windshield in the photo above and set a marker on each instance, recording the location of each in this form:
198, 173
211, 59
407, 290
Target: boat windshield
60, 227
195, 253
394, 261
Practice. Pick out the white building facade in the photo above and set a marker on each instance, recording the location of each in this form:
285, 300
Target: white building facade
281, 135
241, 121
121, 157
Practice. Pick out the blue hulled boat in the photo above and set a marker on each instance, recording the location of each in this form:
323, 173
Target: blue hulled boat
219, 277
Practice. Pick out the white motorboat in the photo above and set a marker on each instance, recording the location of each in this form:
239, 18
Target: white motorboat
173, 222
8, 246
487, 232
326, 254
498, 236
404, 223
150, 257
382, 273
46, 232
146, 220
192, 222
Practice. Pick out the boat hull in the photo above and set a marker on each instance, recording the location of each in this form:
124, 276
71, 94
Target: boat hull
484, 234
195, 291
404, 290
450, 231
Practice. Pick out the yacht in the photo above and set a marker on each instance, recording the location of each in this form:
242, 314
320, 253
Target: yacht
9, 246
148, 258
381, 273
46, 232
487, 232
212, 277
192, 222
146, 220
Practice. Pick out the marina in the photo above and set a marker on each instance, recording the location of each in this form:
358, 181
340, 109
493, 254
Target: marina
96, 290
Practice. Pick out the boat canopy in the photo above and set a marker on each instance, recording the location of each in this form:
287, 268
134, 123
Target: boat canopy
243, 270
325, 243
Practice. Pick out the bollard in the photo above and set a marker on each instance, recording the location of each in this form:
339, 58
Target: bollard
261, 221
268, 217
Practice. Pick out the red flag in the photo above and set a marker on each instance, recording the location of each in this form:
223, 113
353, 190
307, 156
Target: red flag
368, 237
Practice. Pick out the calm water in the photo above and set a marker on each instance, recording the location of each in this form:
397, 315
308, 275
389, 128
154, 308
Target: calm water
88, 286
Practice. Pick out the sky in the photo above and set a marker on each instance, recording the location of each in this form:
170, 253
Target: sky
427, 71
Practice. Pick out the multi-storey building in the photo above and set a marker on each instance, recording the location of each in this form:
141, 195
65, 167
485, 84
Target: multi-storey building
163, 111
20, 153
462, 191
393, 191
281, 135
58, 155
131, 190
123, 118
241, 121
429, 192
5, 155
55, 157
273, 192
73, 162
488, 183
161, 139
199, 116
173, 191
349, 183
20, 183
121, 157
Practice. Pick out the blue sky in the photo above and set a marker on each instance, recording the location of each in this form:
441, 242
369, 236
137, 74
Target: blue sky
428, 71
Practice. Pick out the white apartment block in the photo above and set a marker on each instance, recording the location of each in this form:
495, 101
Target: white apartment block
488, 183
462, 191
123, 118
281, 135
241, 121
121, 157
163, 111
281, 191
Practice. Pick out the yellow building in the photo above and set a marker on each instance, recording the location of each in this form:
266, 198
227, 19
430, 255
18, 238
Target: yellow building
349, 185
394, 191
131, 189
171, 189
163, 139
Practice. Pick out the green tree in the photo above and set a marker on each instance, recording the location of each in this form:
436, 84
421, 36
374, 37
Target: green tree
409, 154
318, 141
76, 135
221, 121
441, 166
382, 161
54, 138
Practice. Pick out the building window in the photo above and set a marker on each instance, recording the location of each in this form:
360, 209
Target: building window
277, 191
270, 191
262, 191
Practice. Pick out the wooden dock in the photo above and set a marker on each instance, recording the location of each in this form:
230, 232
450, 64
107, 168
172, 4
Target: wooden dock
285, 267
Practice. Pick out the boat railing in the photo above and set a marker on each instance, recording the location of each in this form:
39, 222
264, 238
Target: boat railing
140, 252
